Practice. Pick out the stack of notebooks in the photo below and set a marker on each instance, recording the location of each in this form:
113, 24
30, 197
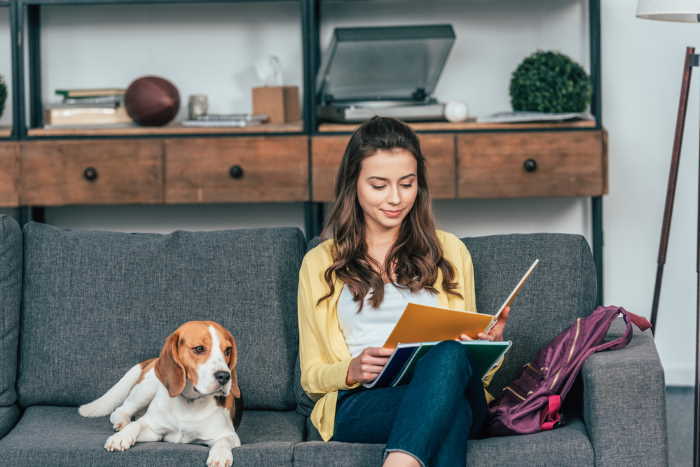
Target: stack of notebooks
87, 107
421, 327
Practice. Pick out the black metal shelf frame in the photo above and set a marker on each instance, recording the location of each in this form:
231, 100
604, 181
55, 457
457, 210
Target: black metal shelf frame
144, 2
310, 12
11, 6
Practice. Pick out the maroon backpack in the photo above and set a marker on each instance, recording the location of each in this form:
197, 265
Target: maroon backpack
532, 402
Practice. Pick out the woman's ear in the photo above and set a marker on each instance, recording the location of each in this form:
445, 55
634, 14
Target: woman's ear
169, 369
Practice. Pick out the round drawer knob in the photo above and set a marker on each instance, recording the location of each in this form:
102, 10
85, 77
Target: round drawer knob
235, 171
530, 165
90, 174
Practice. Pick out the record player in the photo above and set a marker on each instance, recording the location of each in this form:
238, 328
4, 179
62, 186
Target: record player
386, 71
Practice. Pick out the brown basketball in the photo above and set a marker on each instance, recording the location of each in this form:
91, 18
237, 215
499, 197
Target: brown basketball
152, 101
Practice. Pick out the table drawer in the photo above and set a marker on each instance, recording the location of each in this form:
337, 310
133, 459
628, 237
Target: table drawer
439, 152
528, 164
95, 172
207, 170
9, 174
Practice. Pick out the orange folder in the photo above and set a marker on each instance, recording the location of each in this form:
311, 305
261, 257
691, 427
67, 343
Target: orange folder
422, 323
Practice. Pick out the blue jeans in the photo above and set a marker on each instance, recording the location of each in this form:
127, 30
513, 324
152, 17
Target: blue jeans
430, 418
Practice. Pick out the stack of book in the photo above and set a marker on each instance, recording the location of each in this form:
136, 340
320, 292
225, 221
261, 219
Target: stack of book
234, 120
88, 107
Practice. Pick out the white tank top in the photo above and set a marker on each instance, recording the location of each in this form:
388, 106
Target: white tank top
371, 327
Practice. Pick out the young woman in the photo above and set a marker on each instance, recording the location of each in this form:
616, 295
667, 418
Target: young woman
383, 251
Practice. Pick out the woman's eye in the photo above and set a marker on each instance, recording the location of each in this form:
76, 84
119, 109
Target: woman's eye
378, 187
198, 349
407, 186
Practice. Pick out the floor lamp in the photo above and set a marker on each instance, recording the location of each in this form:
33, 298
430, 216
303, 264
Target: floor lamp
683, 11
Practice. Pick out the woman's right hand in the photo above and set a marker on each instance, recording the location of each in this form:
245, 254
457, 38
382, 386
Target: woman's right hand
367, 365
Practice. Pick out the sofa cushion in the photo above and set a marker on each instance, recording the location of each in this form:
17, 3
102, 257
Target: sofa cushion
8, 418
562, 288
568, 445
58, 436
96, 303
10, 298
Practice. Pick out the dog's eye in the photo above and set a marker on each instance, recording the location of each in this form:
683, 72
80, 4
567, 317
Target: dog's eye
227, 351
198, 349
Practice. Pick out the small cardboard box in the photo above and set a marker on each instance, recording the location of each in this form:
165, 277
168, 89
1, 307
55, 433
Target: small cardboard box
280, 103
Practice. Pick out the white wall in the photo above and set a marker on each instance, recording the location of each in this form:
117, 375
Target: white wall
212, 48
6, 64
642, 69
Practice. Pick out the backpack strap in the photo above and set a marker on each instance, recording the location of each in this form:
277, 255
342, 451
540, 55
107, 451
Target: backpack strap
550, 417
610, 312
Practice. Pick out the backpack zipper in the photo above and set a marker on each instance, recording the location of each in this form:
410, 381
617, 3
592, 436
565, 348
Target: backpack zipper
571, 352
554, 381
533, 368
573, 346
513, 391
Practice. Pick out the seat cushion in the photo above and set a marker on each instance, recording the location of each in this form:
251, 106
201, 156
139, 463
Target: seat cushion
59, 436
562, 288
8, 418
96, 303
10, 297
567, 445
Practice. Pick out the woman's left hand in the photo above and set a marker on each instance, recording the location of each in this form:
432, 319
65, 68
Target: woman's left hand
496, 332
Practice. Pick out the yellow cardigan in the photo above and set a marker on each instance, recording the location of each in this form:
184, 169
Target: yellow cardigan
323, 353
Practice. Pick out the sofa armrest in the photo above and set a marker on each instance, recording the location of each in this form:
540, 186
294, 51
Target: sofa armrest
624, 406
8, 419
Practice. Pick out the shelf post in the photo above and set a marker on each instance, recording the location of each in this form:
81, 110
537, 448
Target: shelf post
34, 45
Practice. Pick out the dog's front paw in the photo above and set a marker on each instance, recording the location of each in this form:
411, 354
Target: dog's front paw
220, 456
119, 419
119, 442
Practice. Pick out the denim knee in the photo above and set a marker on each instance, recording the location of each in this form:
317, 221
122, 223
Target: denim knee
451, 359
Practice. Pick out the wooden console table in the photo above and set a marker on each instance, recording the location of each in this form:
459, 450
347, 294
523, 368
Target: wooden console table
165, 170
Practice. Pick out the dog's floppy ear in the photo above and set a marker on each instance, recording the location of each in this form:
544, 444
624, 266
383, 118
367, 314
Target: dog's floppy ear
232, 365
169, 369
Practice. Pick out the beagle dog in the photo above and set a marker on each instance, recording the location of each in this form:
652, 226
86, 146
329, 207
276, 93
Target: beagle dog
190, 394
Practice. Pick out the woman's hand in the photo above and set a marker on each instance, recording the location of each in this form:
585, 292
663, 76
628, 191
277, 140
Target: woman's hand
496, 332
367, 366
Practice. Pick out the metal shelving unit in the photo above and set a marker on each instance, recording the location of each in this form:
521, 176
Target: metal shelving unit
29, 88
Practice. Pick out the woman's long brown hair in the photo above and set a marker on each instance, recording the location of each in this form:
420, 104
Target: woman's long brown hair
416, 254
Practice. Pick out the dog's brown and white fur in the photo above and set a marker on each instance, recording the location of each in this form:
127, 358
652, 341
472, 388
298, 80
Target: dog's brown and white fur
190, 393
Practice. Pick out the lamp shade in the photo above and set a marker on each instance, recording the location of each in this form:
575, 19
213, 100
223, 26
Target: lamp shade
687, 11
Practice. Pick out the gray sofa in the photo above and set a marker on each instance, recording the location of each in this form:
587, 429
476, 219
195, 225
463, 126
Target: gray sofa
79, 308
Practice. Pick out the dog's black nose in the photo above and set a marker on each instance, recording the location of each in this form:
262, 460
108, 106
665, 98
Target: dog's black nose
222, 377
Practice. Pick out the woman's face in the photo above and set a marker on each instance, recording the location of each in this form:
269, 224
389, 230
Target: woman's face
387, 188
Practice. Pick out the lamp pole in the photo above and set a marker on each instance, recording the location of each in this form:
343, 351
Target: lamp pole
691, 60
687, 11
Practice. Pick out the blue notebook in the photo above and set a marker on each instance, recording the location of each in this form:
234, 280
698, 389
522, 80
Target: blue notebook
484, 355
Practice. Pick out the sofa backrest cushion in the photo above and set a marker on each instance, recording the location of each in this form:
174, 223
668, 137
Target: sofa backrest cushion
562, 288
96, 303
10, 300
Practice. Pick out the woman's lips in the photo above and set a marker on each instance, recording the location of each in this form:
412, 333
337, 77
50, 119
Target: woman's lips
391, 213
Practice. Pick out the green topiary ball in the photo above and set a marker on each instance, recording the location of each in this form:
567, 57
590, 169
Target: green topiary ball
3, 94
550, 82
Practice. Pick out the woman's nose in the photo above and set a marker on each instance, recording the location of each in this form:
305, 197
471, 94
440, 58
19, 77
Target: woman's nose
394, 196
